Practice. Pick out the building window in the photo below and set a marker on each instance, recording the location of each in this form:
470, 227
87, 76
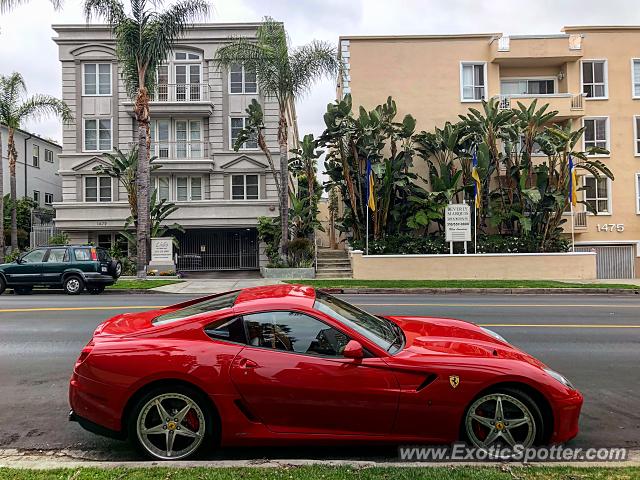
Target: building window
36, 196
48, 155
242, 80
597, 194
635, 77
636, 134
97, 135
188, 188
97, 189
473, 81
594, 78
162, 189
596, 133
237, 125
35, 156
638, 193
186, 56
528, 87
104, 240
97, 79
244, 187
48, 198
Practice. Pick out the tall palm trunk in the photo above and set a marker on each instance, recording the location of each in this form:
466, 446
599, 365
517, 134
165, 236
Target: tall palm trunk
1, 203
11, 147
142, 227
284, 181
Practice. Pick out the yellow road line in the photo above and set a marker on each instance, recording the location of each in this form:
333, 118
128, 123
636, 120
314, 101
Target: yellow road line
518, 305
65, 309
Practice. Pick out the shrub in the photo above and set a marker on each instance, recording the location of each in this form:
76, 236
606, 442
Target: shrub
300, 253
269, 233
59, 239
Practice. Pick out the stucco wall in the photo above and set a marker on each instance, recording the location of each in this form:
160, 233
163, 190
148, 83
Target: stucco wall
519, 266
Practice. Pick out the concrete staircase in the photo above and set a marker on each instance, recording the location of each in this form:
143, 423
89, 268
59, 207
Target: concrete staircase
333, 264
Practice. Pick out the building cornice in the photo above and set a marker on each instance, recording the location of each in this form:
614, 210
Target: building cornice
455, 36
595, 28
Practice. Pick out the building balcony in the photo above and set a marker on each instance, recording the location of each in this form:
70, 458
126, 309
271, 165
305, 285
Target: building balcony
568, 105
539, 50
180, 99
580, 221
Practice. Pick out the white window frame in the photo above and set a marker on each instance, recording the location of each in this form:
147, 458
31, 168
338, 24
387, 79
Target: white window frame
48, 153
35, 159
84, 129
244, 89
244, 125
97, 94
637, 179
48, 195
36, 193
156, 183
633, 85
609, 211
98, 197
244, 176
189, 183
534, 78
605, 69
486, 81
608, 136
636, 136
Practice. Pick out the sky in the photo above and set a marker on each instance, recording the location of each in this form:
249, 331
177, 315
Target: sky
26, 45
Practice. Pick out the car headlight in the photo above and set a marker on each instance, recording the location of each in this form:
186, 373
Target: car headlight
494, 334
559, 377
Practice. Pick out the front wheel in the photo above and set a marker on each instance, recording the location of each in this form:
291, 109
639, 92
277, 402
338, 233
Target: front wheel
170, 424
73, 285
505, 417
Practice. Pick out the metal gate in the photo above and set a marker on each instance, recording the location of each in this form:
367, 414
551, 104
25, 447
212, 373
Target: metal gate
218, 249
40, 235
613, 261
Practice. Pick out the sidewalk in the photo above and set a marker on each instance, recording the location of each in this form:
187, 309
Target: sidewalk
205, 286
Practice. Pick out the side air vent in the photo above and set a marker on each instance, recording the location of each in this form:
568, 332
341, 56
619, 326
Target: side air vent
245, 411
427, 381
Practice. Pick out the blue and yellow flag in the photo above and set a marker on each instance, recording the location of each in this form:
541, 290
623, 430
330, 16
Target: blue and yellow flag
371, 199
477, 186
573, 183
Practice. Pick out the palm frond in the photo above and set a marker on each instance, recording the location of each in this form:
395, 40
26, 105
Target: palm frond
40, 106
8, 5
311, 62
111, 11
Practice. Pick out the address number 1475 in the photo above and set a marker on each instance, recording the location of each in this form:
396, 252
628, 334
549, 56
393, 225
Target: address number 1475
610, 227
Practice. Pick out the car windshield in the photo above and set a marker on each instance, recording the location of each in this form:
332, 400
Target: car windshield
211, 304
382, 332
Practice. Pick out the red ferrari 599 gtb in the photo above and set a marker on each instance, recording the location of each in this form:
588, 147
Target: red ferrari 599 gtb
288, 364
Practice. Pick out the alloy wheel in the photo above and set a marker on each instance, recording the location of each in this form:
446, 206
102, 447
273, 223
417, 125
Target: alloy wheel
73, 285
171, 426
498, 418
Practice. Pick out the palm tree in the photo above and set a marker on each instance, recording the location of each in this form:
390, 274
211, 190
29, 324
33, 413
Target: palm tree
8, 5
283, 74
15, 109
144, 40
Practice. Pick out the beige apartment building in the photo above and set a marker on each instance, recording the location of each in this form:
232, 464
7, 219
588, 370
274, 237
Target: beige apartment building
589, 74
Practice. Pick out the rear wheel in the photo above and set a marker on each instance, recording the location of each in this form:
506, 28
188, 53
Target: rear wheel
96, 290
504, 417
22, 290
171, 423
73, 285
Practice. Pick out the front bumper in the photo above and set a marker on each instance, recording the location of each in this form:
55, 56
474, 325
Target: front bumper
566, 415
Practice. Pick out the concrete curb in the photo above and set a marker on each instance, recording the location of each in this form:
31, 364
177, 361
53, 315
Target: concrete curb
497, 291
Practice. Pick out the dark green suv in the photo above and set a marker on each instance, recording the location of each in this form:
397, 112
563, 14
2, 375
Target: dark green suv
72, 267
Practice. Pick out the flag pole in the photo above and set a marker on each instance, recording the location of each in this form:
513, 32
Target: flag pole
573, 233
366, 249
475, 228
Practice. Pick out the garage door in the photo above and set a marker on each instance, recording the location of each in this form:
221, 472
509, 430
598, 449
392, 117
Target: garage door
613, 261
218, 249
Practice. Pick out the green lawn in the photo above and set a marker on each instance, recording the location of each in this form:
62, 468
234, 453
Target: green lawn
331, 473
345, 283
140, 284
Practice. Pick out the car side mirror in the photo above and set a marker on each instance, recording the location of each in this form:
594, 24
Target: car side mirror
19, 260
353, 349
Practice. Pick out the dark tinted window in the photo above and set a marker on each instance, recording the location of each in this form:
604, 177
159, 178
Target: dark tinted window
294, 332
218, 302
58, 255
231, 330
83, 254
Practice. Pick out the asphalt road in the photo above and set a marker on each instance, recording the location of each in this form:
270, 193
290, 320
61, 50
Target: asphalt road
594, 340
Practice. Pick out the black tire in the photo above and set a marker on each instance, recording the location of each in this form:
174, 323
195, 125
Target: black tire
534, 409
118, 270
210, 426
96, 290
23, 290
3, 285
73, 285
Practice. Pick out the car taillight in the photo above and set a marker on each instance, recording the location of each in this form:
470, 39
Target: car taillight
84, 353
94, 254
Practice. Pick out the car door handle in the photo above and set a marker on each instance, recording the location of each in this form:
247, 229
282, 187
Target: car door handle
247, 364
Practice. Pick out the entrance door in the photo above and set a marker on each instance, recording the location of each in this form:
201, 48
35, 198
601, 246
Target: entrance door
188, 139
294, 379
188, 84
218, 249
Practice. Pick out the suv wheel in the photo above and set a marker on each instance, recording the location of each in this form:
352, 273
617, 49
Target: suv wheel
73, 285
96, 290
3, 285
22, 290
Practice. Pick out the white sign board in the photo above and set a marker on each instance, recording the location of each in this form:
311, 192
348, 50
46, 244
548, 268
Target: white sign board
162, 250
457, 222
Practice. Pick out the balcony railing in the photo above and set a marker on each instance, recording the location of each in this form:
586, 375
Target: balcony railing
567, 104
181, 92
180, 150
580, 220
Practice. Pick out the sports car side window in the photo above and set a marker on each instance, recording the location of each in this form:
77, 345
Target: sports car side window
231, 330
294, 332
